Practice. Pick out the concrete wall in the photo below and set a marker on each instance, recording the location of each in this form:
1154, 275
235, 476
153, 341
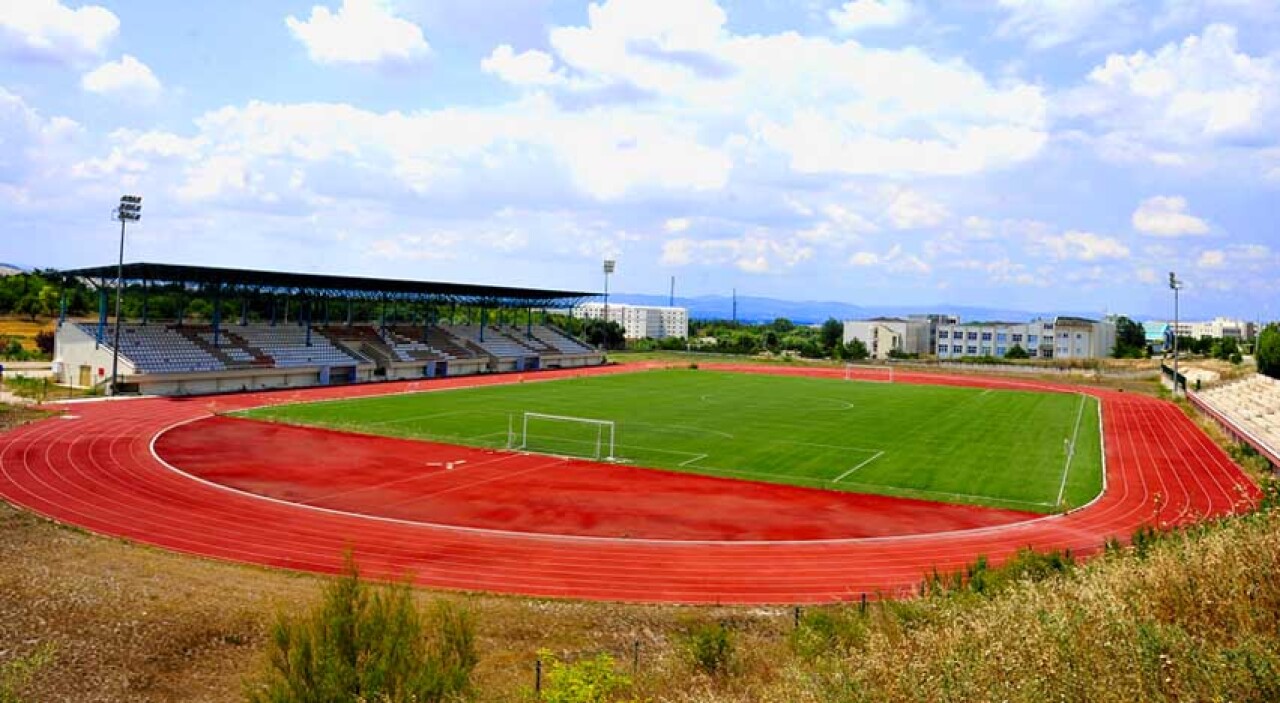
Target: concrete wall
74, 350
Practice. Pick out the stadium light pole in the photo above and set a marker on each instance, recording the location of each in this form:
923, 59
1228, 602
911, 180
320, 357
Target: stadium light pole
1176, 285
609, 265
129, 210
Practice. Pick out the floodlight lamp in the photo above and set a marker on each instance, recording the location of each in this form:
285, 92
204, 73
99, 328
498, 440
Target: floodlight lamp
609, 265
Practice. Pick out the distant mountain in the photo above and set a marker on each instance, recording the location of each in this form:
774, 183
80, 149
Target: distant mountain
755, 309
10, 269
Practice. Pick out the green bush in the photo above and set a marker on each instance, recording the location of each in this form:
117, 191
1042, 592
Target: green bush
16, 674
710, 648
830, 631
594, 680
368, 644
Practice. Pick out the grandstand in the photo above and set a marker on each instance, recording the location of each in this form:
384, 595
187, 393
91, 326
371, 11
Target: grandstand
1248, 408
455, 330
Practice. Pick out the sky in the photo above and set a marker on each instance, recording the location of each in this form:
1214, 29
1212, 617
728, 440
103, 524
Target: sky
1025, 154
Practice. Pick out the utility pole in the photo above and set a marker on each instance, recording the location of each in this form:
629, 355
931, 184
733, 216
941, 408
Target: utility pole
671, 301
735, 306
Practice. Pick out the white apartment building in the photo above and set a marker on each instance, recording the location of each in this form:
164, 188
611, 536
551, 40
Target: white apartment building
640, 321
1059, 338
882, 335
1218, 327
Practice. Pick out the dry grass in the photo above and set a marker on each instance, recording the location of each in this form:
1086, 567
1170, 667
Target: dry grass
25, 330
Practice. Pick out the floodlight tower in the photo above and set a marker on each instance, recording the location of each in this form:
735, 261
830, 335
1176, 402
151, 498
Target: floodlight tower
129, 210
609, 265
1176, 286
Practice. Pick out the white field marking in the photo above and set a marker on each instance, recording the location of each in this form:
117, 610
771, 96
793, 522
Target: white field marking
686, 462
842, 476
553, 538
1071, 450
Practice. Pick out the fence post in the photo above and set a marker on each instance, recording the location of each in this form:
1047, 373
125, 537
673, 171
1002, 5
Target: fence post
863, 605
537, 675
635, 657
797, 617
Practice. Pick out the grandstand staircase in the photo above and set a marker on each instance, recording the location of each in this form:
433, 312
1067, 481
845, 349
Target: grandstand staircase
362, 340
193, 334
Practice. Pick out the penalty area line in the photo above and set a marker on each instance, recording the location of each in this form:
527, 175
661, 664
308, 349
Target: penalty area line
844, 475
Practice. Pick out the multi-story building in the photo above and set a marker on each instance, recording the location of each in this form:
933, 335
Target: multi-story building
1218, 327
883, 335
1058, 338
640, 321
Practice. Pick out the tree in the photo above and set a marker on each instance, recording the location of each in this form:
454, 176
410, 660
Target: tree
782, 325
1017, 352
1267, 351
856, 350
832, 333
48, 300
1131, 340
609, 335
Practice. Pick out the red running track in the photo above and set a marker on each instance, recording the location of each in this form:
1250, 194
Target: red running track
98, 471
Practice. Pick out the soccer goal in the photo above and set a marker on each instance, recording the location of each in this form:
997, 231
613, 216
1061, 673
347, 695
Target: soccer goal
868, 372
563, 435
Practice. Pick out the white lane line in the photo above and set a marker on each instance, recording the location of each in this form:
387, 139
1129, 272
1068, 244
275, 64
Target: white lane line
844, 475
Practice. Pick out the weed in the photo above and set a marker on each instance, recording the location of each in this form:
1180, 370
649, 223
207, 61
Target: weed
594, 680
710, 648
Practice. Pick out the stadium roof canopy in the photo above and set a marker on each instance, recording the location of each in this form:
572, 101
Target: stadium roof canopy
325, 286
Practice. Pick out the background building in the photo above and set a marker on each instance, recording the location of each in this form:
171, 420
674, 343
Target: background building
883, 335
640, 321
1218, 327
1058, 338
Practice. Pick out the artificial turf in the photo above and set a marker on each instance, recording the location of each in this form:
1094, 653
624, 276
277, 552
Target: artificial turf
1001, 448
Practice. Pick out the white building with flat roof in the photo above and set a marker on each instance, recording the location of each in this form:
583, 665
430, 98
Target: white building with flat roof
1057, 338
640, 321
1218, 327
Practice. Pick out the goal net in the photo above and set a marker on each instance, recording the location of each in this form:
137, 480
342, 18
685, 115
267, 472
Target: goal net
868, 372
563, 435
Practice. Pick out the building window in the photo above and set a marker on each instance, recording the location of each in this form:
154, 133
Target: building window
973, 336
986, 336
1033, 352
986, 351
1001, 351
1032, 339
956, 348
1017, 338
943, 334
973, 350
1002, 337
1079, 336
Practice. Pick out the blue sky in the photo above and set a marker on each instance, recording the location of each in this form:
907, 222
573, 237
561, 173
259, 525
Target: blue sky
1027, 154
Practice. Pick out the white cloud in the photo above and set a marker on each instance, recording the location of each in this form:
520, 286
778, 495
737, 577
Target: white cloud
1080, 246
840, 224
360, 32
127, 77
676, 225
857, 15
1167, 216
29, 143
1049, 23
911, 210
894, 261
1211, 259
755, 252
531, 67
49, 29
1183, 100
1147, 275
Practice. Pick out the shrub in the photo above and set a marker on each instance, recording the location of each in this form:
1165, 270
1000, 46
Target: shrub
710, 648
593, 680
368, 644
832, 631
15, 674
44, 341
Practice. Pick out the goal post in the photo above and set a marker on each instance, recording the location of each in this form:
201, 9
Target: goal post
875, 373
563, 435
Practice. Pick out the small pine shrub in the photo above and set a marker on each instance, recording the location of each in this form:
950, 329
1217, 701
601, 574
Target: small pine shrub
368, 644
595, 680
710, 648
693, 366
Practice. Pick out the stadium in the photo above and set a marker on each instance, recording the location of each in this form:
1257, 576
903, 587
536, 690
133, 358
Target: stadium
469, 447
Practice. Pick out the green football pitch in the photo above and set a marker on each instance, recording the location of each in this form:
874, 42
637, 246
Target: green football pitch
1000, 448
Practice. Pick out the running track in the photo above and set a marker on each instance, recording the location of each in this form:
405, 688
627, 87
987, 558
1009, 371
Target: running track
98, 471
